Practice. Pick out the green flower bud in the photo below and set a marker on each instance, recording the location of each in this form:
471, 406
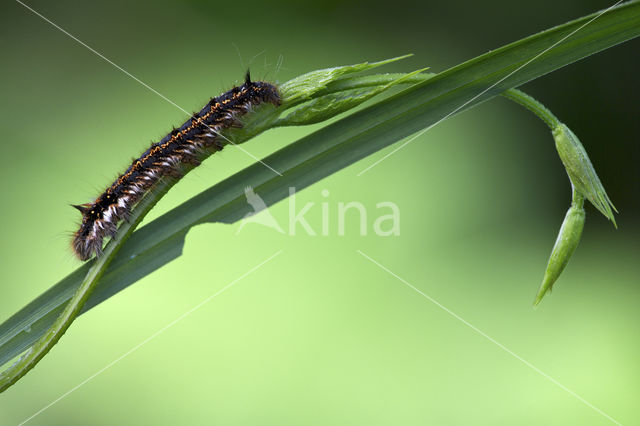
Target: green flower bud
566, 243
303, 87
324, 107
580, 170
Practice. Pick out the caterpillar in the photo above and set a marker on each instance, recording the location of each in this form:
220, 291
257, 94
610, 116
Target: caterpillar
197, 137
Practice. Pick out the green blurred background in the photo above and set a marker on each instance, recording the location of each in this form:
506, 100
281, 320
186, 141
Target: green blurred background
320, 335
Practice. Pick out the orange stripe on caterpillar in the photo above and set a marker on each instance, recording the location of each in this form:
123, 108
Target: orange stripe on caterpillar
198, 136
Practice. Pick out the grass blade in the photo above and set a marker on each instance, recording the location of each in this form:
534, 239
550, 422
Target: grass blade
328, 150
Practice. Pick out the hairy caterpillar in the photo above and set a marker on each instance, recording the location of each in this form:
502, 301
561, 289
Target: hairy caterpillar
196, 137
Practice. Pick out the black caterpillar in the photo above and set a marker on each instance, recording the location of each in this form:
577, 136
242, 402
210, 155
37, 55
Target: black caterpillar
197, 137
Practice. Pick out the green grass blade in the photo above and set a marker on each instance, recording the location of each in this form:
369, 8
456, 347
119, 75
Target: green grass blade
78, 300
329, 150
